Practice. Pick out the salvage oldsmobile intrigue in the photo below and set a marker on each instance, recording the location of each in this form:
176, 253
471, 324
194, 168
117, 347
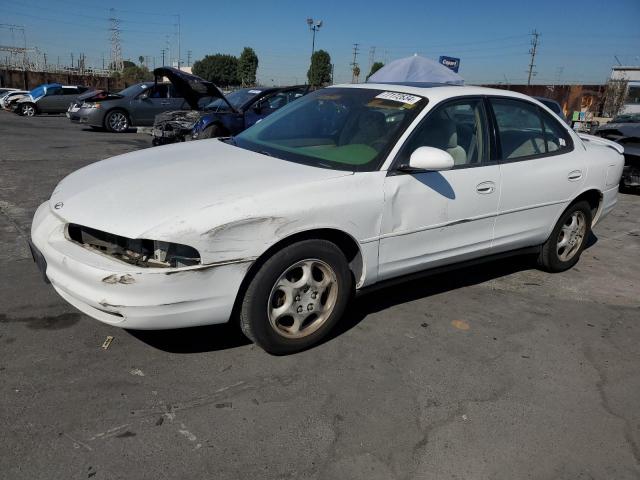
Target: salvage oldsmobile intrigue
346, 187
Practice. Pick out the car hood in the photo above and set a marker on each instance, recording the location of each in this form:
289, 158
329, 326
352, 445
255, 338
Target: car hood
134, 193
192, 87
98, 96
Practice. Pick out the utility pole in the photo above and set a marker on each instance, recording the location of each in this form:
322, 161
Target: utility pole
188, 58
72, 60
355, 68
314, 26
532, 51
179, 38
164, 50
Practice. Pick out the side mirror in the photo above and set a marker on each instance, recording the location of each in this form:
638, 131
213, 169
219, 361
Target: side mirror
429, 159
257, 108
143, 96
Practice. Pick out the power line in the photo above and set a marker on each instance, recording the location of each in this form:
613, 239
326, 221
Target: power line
534, 46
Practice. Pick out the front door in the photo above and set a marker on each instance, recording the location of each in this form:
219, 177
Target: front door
151, 102
541, 172
436, 218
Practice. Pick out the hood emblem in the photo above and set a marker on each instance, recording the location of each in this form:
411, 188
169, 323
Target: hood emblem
58, 205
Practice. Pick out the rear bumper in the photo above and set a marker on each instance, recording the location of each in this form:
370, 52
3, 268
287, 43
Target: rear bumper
133, 297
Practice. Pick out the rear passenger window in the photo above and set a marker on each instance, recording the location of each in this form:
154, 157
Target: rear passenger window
554, 133
525, 130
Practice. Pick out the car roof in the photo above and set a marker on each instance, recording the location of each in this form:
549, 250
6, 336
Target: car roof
437, 92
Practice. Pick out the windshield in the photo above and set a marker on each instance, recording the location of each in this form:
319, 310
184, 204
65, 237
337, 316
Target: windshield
132, 90
340, 128
237, 99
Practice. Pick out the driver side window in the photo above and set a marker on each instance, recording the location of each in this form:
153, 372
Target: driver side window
459, 128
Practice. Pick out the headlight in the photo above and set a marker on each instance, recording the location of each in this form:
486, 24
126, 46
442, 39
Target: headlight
135, 251
90, 105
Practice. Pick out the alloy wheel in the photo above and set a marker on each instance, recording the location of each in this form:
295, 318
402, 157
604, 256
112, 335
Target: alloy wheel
571, 236
28, 110
303, 298
118, 122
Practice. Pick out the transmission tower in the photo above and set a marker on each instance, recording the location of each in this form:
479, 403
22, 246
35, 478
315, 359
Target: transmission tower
372, 56
116, 48
532, 51
355, 68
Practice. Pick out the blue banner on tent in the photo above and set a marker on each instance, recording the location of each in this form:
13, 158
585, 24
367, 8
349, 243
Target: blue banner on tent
450, 62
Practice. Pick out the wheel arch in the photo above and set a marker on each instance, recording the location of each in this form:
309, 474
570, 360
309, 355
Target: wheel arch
345, 242
594, 198
217, 123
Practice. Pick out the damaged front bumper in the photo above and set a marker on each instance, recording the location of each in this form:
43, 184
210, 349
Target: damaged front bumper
134, 297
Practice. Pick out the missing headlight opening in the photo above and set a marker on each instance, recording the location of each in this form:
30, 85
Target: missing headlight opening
139, 252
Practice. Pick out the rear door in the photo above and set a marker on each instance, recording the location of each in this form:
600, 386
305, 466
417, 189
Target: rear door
540, 168
47, 104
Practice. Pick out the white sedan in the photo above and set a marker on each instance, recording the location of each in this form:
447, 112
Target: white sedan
350, 186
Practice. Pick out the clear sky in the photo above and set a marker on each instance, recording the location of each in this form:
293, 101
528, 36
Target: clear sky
577, 44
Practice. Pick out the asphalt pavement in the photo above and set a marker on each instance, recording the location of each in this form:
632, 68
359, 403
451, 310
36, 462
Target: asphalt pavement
499, 371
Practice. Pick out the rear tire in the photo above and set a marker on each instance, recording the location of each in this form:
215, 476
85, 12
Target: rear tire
296, 297
564, 246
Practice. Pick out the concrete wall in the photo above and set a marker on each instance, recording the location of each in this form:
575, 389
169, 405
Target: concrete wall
28, 80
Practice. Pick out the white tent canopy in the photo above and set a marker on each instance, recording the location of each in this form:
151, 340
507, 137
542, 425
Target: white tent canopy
415, 70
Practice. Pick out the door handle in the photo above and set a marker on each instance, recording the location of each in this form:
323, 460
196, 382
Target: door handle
574, 175
485, 187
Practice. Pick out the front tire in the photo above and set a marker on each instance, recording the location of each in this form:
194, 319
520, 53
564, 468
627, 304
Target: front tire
28, 110
212, 131
296, 297
117, 121
564, 246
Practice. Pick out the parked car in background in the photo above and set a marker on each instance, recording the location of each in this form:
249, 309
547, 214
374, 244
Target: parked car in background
9, 98
625, 130
137, 105
115, 111
4, 90
347, 187
226, 115
49, 98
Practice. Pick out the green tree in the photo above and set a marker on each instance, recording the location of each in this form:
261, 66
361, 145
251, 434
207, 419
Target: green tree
320, 70
141, 59
374, 68
220, 69
136, 74
128, 63
247, 66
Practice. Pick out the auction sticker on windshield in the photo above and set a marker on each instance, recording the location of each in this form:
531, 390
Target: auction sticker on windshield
399, 97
